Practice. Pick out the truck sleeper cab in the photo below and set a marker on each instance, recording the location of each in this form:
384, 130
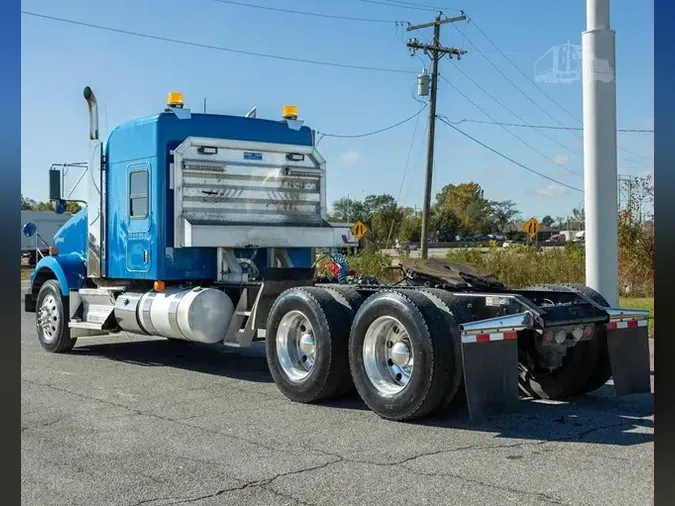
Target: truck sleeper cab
203, 228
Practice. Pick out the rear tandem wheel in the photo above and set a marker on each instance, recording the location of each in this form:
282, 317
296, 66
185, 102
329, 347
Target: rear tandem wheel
401, 360
585, 367
306, 344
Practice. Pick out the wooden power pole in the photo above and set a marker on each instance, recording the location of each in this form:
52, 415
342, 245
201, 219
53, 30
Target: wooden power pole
435, 51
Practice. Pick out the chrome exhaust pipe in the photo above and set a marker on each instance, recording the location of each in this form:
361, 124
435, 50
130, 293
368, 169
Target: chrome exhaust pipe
93, 113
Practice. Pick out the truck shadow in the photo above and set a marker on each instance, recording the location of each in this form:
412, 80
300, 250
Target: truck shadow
597, 418
246, 364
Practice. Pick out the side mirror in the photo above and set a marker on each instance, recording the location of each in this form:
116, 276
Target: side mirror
59, 207
55, 184
29, 229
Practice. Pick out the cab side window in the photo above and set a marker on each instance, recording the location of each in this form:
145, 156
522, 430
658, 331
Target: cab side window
138, 194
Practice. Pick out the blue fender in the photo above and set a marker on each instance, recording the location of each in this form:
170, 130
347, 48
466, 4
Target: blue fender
69, 270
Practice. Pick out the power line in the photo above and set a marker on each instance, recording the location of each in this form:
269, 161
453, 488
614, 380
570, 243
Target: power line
567, 148
545, 127
314, 14
407, 161
578, 174
528, 97
524, 74
529, 79
405, 5
417, 164
416, 5
509, 158
374, 132
217, 48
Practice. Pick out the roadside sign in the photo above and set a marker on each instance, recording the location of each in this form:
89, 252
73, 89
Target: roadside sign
532, 227
359, 229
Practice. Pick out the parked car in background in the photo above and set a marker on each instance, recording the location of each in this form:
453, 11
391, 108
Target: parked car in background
555, 240
47, 223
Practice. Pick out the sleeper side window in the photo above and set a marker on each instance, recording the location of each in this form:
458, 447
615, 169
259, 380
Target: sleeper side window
138, 194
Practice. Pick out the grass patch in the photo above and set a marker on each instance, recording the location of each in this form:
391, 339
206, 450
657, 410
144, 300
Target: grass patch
646, 303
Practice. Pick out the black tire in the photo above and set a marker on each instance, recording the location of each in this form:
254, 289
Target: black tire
351, 299
346, 295
329, 320
434, 366
603, 370
580, 365
51, 318
455, 396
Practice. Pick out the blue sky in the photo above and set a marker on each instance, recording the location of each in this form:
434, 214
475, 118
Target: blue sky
132, 75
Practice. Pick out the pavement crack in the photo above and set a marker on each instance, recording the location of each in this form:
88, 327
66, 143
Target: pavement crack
177, 421
539, 495
257, 483
42, 425
441, 452
287, 496
152, 499
586, 432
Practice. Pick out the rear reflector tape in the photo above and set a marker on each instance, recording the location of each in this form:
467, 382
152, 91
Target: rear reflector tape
631, 324
485, 338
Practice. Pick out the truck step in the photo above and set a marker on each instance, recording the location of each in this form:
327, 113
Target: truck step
85, 325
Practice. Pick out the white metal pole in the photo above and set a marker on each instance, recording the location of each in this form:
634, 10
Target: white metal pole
600, 171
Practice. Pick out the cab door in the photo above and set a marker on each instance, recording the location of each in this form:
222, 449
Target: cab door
139, 245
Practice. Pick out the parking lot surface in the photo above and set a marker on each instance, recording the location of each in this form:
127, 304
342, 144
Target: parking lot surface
125, 420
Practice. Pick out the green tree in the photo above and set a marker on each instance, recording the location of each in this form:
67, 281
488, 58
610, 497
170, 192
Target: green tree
376, 204
73, 207
547, 221
467, 202
28, 204
503, 213
410, 228
348, 210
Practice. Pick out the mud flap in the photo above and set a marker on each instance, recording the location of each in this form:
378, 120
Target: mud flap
490, 374
628, 347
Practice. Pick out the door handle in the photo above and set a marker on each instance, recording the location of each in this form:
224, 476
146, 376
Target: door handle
145, 256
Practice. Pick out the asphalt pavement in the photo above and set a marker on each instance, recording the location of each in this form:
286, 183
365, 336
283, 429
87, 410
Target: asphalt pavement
131, 421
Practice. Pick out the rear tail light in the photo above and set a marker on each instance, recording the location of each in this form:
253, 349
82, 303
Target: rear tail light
578, 332
548, 336
561, 335
588, 331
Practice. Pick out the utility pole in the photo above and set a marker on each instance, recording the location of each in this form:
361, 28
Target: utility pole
600, 171
435, 51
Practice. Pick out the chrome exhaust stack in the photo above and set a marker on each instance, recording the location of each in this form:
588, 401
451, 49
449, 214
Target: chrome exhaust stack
93, 113
95, 198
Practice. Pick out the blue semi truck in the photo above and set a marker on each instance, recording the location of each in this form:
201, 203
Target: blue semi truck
203, 228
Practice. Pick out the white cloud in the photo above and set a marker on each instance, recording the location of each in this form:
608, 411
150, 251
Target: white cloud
350, 157
560, 159
552, 190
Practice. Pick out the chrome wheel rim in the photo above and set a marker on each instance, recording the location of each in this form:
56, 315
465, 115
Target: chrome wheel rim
295, 346
49, 319
388, 355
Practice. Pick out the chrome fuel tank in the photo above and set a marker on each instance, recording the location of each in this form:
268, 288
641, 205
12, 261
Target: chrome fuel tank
192, 314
